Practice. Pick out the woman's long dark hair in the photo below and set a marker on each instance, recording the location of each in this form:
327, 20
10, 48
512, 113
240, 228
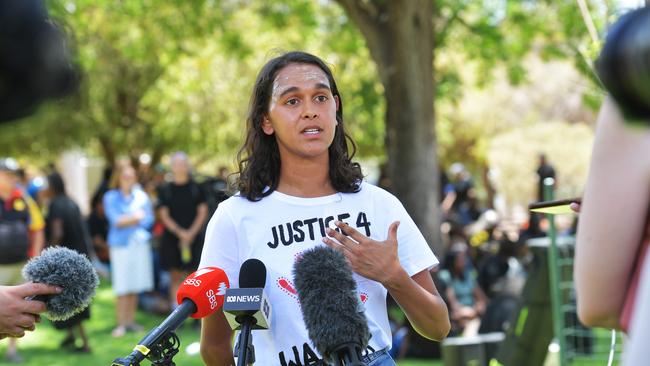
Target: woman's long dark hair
259, 157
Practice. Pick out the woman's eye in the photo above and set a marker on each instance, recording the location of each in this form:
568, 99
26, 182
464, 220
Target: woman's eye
292, 101
321, 98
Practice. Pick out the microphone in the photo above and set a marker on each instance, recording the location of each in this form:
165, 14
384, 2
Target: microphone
247, 308
69, 270
330, 306
200, 295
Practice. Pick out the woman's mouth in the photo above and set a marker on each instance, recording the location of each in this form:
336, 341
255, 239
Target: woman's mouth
311, 131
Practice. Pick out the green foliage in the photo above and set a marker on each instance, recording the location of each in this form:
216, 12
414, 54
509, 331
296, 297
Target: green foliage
163, 76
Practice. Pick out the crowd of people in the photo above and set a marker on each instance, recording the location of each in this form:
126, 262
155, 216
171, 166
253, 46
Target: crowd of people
146, 232
482, 275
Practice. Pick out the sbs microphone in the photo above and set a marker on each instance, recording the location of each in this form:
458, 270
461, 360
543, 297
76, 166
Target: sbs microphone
200, 295
69, 270
330, 306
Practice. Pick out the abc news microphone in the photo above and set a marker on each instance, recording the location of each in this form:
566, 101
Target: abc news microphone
337, 326
201, 294
247, 308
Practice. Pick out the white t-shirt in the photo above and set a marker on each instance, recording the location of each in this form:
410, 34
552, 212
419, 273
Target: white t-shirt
278, 228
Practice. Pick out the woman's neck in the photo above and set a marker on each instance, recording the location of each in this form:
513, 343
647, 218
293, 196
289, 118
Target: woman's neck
305, 177
126, 191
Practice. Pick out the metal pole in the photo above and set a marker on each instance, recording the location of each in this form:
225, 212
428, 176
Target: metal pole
244, 335
554, 275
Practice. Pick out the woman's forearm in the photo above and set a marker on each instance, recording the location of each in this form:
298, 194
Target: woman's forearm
421, 303
131, 219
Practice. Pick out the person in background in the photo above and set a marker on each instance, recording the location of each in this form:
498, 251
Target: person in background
466, 300
544, 170
216, 189
183, 211
98, 229
37, 232
18, 224
457, 196
130, 216
65, 227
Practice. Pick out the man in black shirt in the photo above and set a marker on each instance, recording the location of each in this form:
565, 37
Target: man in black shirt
183, 211
65, 227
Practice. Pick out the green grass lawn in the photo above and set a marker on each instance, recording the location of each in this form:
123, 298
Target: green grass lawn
41, 347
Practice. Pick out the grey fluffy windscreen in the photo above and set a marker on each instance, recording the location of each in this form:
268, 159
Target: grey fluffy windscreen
329, 300
71, 271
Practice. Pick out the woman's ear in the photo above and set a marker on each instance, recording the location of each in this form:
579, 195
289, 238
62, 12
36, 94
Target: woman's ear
267, 127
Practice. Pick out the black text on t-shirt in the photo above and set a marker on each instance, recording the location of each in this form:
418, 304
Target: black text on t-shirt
309, 357
306, 229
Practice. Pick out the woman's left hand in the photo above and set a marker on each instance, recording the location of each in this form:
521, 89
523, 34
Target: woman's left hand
376, 260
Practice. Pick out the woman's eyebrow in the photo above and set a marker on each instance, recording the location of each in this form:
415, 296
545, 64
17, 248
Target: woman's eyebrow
292, 89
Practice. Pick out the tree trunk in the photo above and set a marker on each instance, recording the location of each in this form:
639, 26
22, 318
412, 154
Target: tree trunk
108, 150
399, 35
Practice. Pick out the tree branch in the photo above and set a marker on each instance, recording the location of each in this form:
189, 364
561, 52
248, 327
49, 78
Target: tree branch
442, 31
371, 18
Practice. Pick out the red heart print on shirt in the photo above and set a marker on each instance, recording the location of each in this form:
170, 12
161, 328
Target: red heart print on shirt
364, 297
287, 286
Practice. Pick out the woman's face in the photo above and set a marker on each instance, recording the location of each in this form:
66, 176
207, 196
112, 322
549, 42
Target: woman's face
127, 178
302, 112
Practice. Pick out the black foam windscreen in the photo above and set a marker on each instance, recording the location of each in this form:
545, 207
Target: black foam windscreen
329, 301
252, 274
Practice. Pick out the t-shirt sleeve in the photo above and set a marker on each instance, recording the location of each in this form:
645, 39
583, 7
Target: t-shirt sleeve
414, 252
162, 191
220, 246
111, 210
201, 197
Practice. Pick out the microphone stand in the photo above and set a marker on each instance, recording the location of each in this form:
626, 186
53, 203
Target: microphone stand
160, 354
348, 354
244, 349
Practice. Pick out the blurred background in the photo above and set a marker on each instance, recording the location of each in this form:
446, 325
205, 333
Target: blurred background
460, 108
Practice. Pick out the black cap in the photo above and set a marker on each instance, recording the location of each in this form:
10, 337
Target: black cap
9, 165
